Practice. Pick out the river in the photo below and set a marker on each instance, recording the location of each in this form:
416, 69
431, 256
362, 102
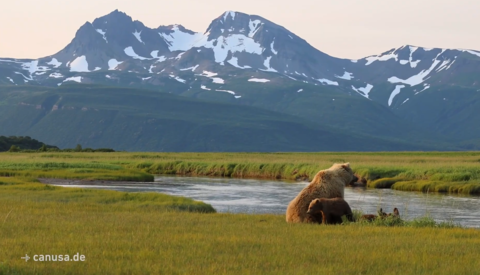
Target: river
272, 197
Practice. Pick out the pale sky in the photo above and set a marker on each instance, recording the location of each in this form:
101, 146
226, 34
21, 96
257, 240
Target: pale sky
341, 28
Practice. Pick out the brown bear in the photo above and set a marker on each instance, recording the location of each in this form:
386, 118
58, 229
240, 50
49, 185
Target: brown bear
368, 217
328, 183
395, 213
331, 210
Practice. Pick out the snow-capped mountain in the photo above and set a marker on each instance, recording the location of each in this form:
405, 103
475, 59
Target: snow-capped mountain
413, 69
237, 40
247, 59
115, 43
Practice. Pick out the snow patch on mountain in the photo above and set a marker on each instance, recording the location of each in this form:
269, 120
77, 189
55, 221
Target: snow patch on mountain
113, 63
11, 80
208, 74
449, 65
232, 43
130, 52
178, 78
218, 80
227, 13
404, 101
234, 62
413, 64
26, 78
272, 49
161, 58
178, 40
363, 91
211, 75
426, 86
230, 92
418, 78
102, 33
55, 63
203, 87
74, 78
445, 65
254, 26
262, 80
190, 68
327, 81
179, 55
226, 91
56, 75
80, 64
154, 54
300, 90
383, 57
266, 63
137, 35
395, 92
346, 76
472, 52
31, 67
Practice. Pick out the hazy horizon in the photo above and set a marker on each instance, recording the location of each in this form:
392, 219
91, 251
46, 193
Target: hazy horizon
346, 29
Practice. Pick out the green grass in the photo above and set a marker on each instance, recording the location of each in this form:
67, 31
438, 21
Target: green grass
450, 172
150, 233
150, 120
121, 233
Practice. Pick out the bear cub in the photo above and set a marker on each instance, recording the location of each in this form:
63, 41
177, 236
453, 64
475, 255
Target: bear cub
329, 211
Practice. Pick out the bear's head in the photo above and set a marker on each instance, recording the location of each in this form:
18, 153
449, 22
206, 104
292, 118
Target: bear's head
344, 171
315, 207
396, 213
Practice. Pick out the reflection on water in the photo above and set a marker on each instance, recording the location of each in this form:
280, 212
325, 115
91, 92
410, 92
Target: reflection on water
261, 196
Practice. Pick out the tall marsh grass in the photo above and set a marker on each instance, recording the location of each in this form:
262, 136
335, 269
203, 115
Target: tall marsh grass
454, 172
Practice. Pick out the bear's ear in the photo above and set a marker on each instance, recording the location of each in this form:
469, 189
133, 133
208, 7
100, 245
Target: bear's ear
346, 165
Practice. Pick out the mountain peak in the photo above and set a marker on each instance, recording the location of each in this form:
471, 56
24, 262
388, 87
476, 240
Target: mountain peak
116, 17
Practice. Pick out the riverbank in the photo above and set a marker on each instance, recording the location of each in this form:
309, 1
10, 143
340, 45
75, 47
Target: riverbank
254, 196
125, 233
449, 172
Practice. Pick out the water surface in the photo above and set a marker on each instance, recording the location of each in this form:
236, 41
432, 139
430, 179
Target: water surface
272, 197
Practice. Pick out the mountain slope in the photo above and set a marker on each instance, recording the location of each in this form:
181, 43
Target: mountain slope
133, 119
248, 60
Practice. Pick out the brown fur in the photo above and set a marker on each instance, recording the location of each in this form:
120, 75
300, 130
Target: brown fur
358, 181
368, 217
331, 210
329, 183
395, 213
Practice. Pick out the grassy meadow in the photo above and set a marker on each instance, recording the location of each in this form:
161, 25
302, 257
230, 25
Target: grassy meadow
151, 233
449, 172
121, 233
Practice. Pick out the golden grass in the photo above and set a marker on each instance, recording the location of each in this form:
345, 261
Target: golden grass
128, 239
454, 172
126, 233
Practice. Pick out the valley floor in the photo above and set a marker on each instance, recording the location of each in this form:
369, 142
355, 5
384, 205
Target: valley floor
121, 233
141, 233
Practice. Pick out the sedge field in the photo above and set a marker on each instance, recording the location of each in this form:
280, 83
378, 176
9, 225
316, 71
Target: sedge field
151, 233
449, 172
